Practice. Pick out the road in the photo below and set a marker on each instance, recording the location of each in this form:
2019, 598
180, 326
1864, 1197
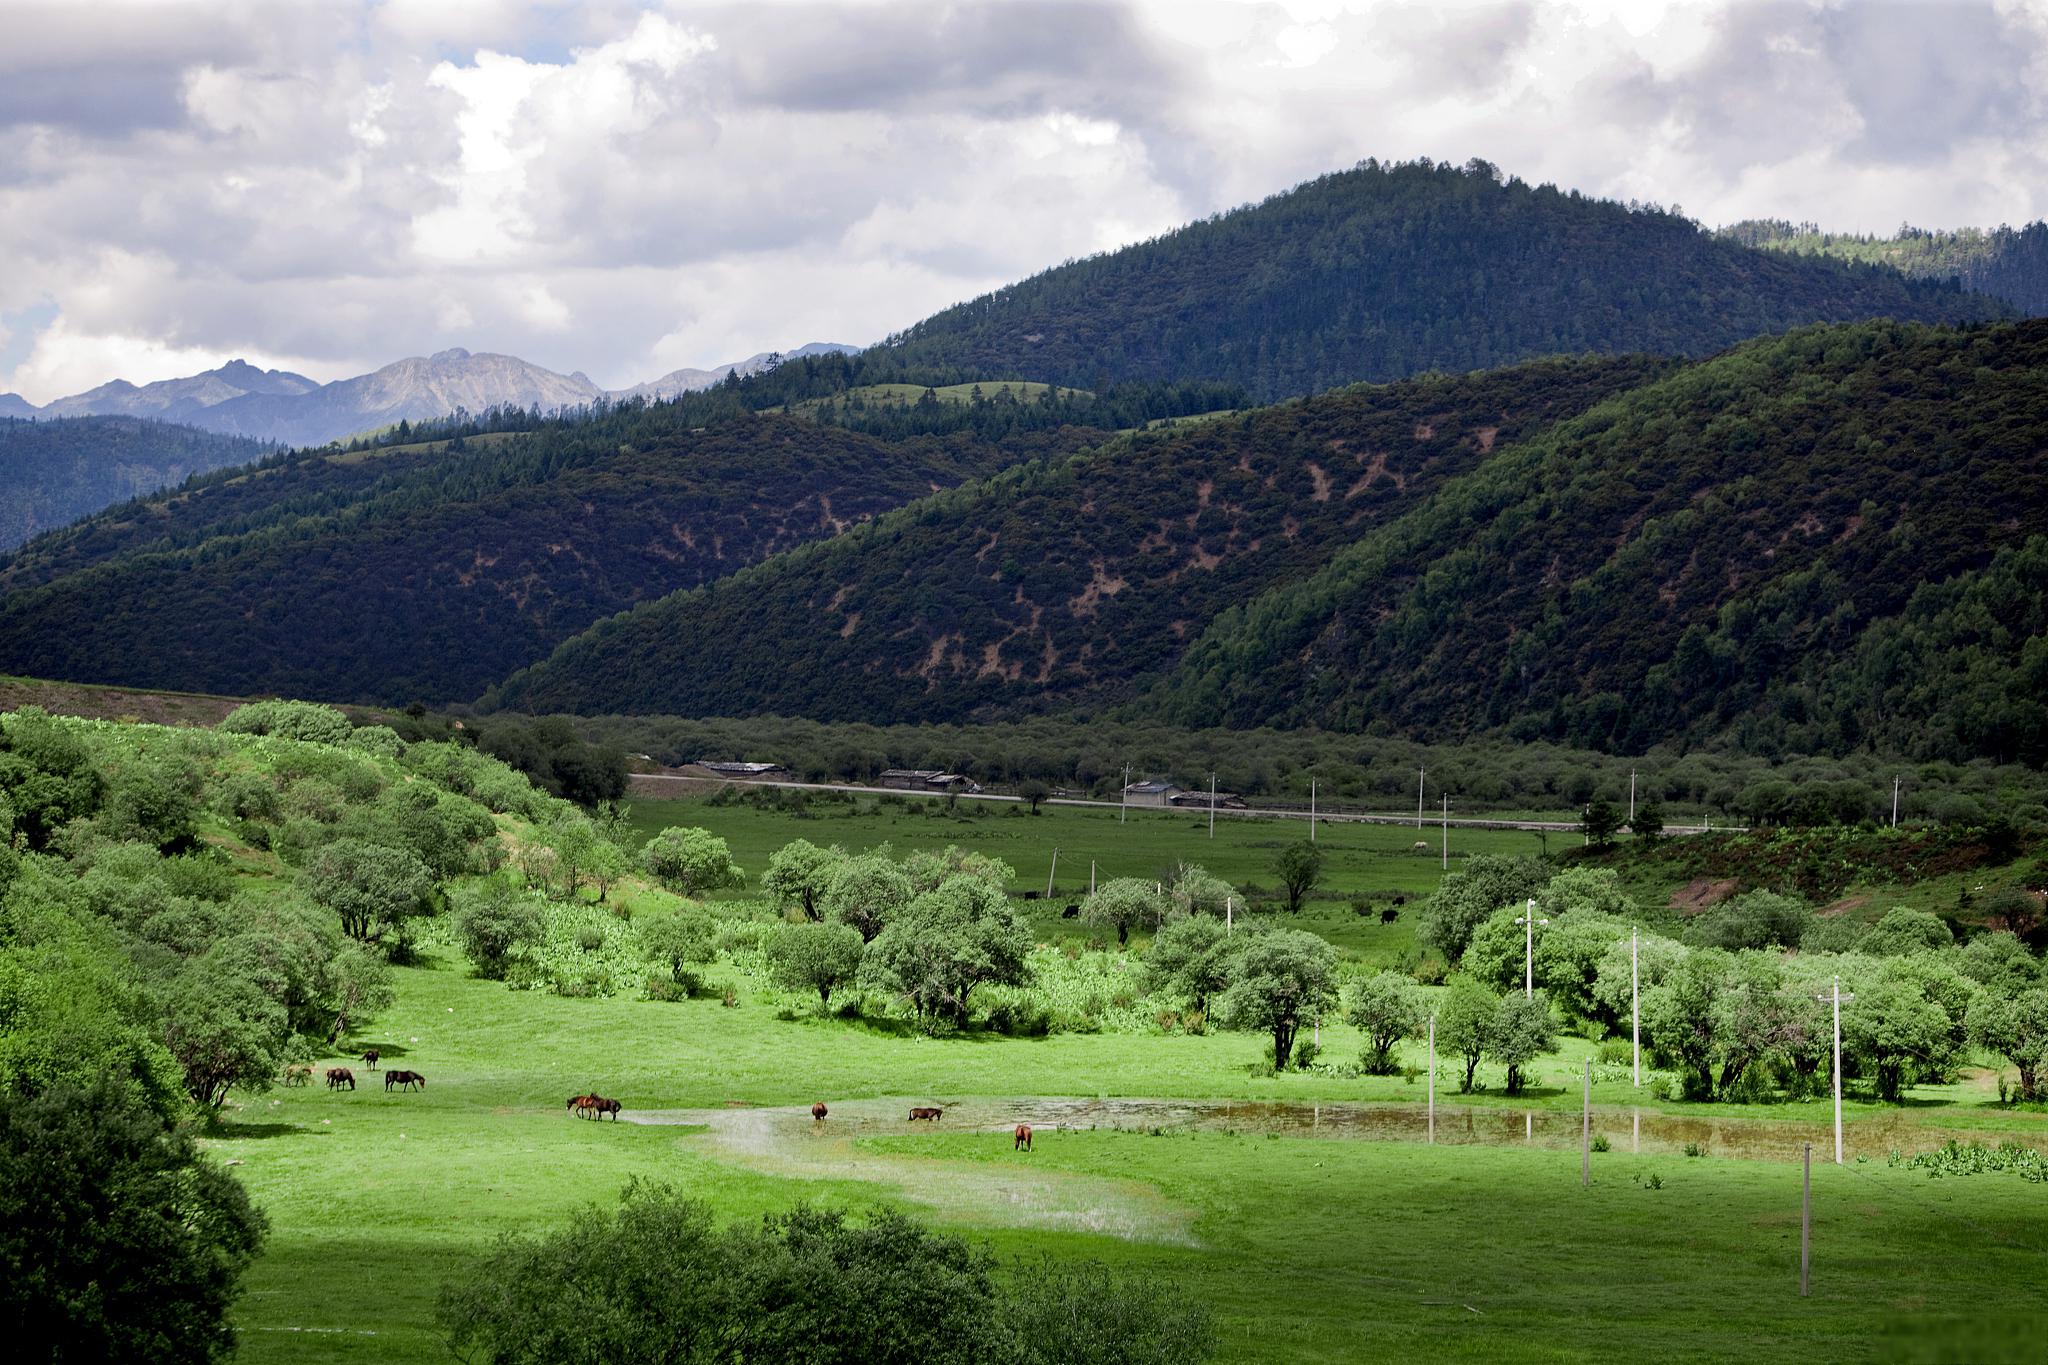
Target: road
645, 784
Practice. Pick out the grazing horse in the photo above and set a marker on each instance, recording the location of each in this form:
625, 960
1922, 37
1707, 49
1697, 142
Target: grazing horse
578, 1103
371, 1057
405, 1080
1023, 1142
926, 1115
338, 1076
818, 1112
298, 1074
601, 1106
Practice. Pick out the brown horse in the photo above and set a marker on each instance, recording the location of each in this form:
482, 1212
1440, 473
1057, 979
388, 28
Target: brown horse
405, 1080
298, 1074
578, 1103
818, 1112
927, 1115
371, 1058
1023, 1142
599, 1107
338, 1076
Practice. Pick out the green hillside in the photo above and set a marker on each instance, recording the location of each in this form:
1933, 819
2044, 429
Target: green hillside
1389, 270
1063, 579
1725, 552
430, 574
54, 471
2006, 263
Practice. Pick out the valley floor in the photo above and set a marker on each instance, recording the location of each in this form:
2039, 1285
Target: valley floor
1302, 1208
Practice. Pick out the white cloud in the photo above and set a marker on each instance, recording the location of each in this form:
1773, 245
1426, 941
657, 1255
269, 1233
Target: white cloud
628, 187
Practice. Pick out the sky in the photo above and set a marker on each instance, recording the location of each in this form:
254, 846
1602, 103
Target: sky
627, 188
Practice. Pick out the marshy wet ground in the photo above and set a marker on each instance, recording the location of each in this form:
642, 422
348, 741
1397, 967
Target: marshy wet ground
789, 1142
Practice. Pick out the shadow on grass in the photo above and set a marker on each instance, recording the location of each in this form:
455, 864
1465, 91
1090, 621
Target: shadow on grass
239, 1131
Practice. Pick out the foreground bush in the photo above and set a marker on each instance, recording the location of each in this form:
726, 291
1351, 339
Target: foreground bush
659, 1280
117, 1239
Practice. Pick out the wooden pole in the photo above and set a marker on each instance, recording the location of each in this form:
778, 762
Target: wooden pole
1806, 1220
1432, 1078
1586, 1132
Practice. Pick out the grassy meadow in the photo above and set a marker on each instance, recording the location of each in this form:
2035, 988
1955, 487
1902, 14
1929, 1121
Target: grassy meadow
1310, 1247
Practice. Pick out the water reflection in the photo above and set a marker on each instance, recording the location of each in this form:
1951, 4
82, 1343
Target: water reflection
1650, 1131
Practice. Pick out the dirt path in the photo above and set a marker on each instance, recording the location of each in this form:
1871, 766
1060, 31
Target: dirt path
1008, 1192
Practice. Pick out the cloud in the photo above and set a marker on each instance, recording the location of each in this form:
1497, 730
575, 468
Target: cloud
625, 187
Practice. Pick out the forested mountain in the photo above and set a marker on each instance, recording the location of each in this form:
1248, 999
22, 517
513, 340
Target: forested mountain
1064, 579
56, 471
1810, 544
1390, 270
2006, 263
430, 573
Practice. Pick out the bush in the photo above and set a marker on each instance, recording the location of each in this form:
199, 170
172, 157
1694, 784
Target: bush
1617, 1052
300, 720
659, 1280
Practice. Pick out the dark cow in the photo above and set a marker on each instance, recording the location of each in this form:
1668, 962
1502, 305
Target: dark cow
818, 1112
1023, 1142
405, 1080
338, 1076
371, 1058
1071, 912
1389, 916
926, 1115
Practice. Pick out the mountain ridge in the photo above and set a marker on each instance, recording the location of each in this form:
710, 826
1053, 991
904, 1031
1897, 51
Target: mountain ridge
242, 399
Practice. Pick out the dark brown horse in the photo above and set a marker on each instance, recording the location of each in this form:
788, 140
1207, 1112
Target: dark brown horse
600, 1106
927, 1115
371, 1058
818, 1112
298, 1073
1023, 1142
338, 1076
405, 1080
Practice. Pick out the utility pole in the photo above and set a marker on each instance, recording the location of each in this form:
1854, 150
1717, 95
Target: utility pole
1212, 805
1048, 875
1631, 800
1529, 922
1123, 798
1447, 831
1091, 876
1586, 1132
1837, 998
1419, 772
1312, 810
1895, 801
1805, 1217
1229, 920
1635, 1007
1432, 1078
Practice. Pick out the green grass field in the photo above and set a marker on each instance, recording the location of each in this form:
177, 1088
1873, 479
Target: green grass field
1310, 1247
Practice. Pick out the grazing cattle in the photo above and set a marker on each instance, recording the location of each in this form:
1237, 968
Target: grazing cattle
371, 1058
1023, 1142
299, 1074
926, 1115
1389, 916
1071, 912
818, 1112
405, 1080
338, 1076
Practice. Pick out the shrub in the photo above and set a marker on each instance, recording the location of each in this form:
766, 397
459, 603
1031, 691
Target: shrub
301, 720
